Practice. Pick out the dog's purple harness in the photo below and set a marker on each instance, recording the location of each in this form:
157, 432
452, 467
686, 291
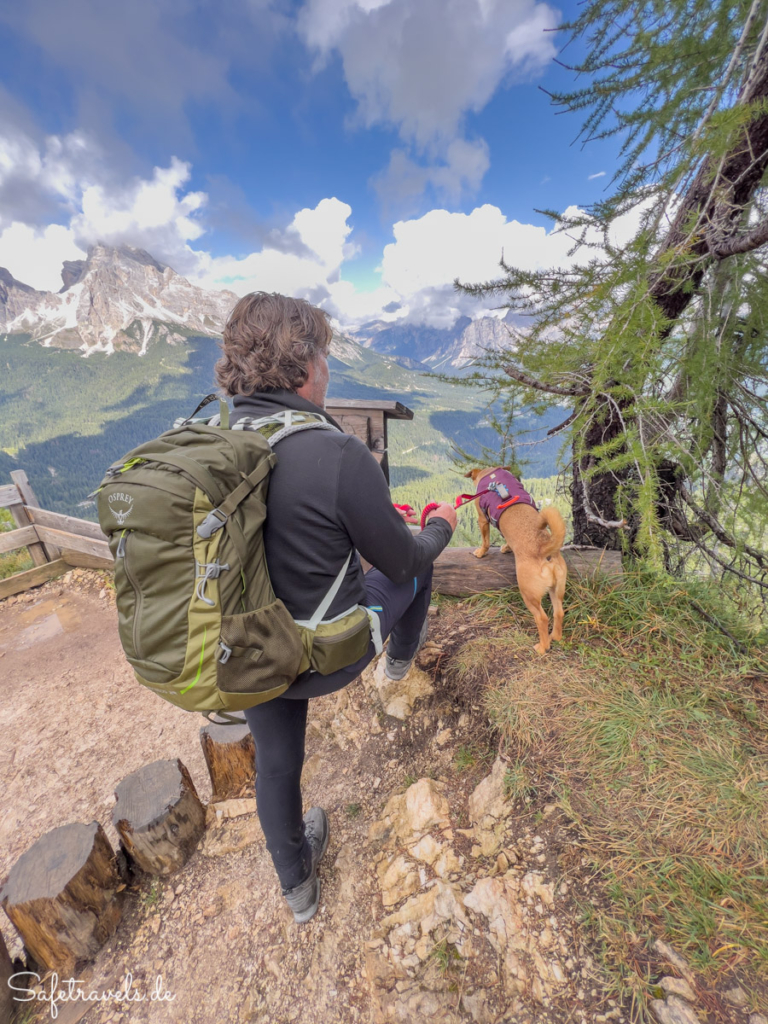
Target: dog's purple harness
504, 490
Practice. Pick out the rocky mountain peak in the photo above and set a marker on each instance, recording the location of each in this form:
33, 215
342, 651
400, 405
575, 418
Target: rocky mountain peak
119, 297
71, 272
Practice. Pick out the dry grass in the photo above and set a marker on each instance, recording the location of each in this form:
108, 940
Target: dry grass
651, 722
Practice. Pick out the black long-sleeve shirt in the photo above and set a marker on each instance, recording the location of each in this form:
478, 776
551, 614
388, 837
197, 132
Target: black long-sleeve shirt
327, 494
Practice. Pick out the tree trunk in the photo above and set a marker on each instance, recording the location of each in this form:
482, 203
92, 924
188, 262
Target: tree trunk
706, 223
596, 498
62, 896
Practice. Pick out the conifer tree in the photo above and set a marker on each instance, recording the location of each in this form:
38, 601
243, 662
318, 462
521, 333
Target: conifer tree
655, 346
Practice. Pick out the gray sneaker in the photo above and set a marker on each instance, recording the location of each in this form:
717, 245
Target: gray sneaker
395, 669
304, 899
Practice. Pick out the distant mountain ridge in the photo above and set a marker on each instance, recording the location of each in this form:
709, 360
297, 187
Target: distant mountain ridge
441, 349
122, 299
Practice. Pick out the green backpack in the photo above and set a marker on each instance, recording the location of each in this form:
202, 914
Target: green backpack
198, 618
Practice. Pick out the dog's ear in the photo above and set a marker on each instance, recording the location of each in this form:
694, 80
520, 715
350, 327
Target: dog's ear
472, 473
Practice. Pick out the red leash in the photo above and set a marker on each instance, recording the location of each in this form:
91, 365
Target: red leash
463, 499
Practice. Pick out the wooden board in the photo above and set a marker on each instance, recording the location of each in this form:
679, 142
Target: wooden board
55, 521
32, 578
71, 541
356, 424
12, 540
9, 496
392, 410
459, 574
82, 560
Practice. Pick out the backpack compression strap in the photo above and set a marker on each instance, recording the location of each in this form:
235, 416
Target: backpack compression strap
327, 601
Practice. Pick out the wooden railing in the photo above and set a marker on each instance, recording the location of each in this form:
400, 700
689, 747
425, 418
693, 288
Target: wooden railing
55, 543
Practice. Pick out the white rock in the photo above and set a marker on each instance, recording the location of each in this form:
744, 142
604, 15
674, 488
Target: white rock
399, 696
678, 987
673, 1011
489, 798
737, 997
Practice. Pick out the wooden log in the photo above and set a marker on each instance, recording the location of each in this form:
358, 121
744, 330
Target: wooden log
63, 896
73, 542
457, 573
32, 578
230, 755
79, 559
159, 817
70, 524
12, 540
37, 551
8, 1005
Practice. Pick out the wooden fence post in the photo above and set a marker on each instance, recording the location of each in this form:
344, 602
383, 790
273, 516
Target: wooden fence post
36, 550
24, 487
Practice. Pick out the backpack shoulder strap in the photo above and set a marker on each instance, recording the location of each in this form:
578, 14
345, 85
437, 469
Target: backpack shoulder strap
284, 424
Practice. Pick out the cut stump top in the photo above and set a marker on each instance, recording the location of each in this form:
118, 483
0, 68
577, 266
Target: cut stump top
50, 864
146, 795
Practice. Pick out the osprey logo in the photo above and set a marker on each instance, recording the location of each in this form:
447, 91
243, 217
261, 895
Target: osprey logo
120, 514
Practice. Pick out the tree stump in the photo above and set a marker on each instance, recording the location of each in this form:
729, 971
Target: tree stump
230, 755
62, 896
7, 1002
159, 816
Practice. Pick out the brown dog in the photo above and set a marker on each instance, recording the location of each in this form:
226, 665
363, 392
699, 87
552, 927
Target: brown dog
534, 537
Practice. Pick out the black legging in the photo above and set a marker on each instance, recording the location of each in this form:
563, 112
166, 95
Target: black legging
279, 726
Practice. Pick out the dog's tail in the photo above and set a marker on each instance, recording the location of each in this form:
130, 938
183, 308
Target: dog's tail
551, 543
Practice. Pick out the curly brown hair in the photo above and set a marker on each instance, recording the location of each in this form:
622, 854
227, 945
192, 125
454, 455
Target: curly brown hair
268, 343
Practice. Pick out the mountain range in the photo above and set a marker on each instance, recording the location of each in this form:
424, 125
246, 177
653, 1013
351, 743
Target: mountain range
149, 338
123, 299
439, 349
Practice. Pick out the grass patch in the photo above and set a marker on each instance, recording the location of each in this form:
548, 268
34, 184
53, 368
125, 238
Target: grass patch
518, 783
650, 723
409, 780
471, 755
13, 561
444, 956
152, 896
353, 810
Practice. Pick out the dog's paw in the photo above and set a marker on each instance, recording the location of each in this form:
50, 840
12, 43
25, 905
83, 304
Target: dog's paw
480, 552
505, 549
541, 649
557, 634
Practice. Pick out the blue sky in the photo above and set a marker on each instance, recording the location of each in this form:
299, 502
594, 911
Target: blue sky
361, 153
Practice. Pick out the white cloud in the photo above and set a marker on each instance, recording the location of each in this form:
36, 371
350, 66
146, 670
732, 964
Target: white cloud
463, 170
34, 255
429, 252
153, 214
305, 258
592, 177
421, 66
323, 232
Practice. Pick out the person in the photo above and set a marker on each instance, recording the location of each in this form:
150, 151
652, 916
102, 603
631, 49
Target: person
327, 496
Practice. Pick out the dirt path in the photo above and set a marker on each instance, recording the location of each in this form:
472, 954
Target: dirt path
438, 903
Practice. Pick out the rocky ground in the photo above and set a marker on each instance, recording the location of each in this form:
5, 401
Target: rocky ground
443, 899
